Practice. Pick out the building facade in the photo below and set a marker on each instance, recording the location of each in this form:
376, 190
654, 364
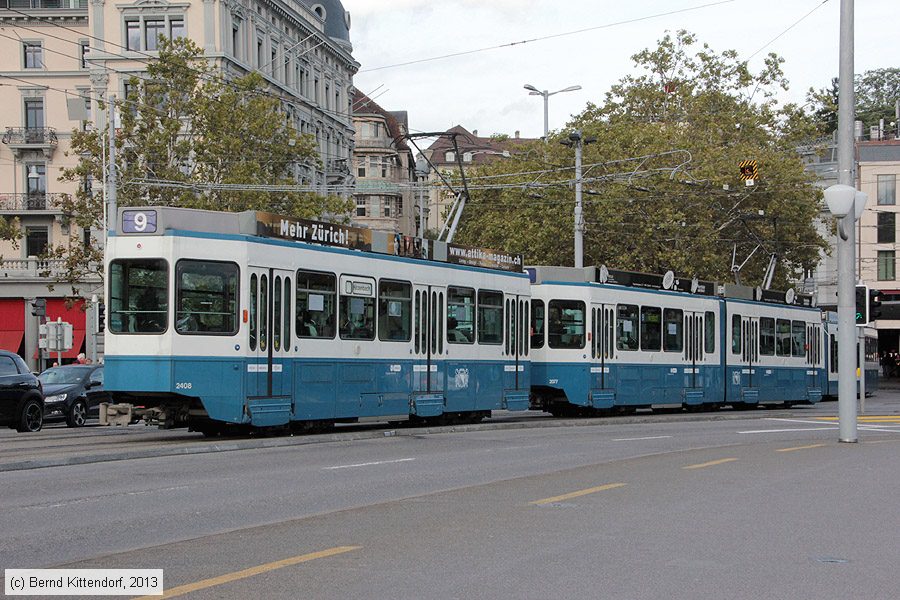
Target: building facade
384, 169
878, 171
59, 57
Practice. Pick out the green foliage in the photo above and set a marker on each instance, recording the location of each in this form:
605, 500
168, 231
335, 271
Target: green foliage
650, 209
876, 93
184, 125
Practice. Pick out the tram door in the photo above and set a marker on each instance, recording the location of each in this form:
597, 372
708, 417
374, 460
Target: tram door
270, 333
693, 349
603, 324
516, 342
813, 355
428, 338
749, 338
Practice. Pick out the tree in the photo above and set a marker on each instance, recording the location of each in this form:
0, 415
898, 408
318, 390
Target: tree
662, 182
876, 94
186, 132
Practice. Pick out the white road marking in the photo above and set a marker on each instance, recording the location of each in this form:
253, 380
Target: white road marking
790, 430
369, 464
104, 497
655, 437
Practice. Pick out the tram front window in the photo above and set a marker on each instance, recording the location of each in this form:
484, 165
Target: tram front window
138, 296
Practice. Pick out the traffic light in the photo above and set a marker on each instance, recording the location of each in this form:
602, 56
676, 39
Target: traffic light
874, 304
862, 304
39, 307
101, 317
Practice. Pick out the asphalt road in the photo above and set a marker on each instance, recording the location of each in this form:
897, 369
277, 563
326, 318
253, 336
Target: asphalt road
721, 505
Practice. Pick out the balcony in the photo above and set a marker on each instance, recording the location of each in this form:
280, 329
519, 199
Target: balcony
337, 171
23, 139
17, 203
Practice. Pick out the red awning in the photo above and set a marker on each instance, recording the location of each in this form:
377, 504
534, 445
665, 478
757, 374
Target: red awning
11, 340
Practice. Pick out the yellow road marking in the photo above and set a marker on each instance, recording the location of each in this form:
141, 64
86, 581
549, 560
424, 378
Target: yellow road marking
257, 570
868, 419
711, 463
570, 495
800, 448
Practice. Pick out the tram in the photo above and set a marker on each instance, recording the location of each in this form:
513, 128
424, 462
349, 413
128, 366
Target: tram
252, 319
611, 340
872, 365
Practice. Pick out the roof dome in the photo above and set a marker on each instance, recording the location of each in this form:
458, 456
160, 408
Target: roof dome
337, 20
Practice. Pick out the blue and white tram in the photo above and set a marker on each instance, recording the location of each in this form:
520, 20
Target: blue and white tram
872, 364
638, 340
213, 319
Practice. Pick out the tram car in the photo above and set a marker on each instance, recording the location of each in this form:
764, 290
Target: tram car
872, 364
606, 340
251, 319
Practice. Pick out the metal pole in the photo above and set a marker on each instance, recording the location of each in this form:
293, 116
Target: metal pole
846, 248
546, 95
111, 194
579, 222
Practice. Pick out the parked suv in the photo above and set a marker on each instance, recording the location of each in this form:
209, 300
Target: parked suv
21, 400
72, 392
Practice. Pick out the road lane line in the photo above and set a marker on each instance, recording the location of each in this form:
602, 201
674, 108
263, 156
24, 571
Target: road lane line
257, 570
711, 463
655, 437
570, 495
369, 464
800, 448
790, 430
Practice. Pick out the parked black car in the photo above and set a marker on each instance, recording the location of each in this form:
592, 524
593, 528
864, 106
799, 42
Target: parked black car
73, 392
21, 400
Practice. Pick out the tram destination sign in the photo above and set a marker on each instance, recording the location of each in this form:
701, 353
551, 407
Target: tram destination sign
370, 240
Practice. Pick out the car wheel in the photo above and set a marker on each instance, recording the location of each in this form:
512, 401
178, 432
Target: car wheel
77, 414
31, 417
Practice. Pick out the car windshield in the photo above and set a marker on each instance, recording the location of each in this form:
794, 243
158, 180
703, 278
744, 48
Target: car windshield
62, 375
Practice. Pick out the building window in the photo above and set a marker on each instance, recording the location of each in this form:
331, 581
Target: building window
34, 116
133, 35
36, 240
260, 58
887, 189
450, 157
236, 25
360, 207
36, 185
143, 33
886, 265
386, 206
176, 28
361, 167
887, 227
85, 50
34, 55
467, 157
153, 28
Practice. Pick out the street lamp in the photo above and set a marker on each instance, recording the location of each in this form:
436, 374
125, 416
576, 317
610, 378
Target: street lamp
533, 91
847, 205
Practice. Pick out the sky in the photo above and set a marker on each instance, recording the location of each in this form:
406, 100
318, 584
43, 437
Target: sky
484, 90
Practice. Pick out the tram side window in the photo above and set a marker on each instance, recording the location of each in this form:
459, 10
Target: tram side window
358, 313
460, 315
798, 338
651, 328
206, 295
627, 327
394, 311
710, 332
138, 296
315, 304
537, 323
565, 325
735, 334
767, 336
673, 330
783, 337
490, 317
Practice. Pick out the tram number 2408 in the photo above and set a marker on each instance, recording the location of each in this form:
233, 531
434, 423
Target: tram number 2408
183, 385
